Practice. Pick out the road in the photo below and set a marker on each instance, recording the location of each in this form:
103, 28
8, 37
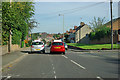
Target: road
73, 64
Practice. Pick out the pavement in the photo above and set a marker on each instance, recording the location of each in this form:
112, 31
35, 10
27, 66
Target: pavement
10, 58
74, 64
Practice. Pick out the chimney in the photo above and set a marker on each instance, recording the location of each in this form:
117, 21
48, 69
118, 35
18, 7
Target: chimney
75, 27
82, 24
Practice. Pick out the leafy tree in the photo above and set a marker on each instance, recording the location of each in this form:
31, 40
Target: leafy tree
17, 18
97, 23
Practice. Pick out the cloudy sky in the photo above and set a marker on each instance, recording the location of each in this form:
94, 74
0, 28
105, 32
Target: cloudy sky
47, 14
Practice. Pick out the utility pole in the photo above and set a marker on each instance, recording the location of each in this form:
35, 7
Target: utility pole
111, 26
63, 25
10, 37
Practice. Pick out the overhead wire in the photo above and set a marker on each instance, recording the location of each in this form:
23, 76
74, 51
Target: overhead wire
70, 11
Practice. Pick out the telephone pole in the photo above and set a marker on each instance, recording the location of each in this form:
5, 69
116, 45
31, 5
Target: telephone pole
111, 26
10, 37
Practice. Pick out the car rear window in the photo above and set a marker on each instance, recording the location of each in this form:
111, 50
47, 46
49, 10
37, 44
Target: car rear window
57, 43
37, 43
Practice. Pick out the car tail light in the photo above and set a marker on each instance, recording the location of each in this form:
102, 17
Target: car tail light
43, 46
32, 46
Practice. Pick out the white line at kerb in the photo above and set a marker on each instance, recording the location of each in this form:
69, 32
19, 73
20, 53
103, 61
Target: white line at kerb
99, 78
65, 56
78, 64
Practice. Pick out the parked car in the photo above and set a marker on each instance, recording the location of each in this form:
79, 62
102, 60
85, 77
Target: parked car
57, 46
37, 46
66, 47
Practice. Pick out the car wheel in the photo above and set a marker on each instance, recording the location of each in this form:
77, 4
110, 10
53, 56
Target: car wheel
64, 53
43, 51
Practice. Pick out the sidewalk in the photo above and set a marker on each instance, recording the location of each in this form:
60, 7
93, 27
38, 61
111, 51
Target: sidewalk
10, 58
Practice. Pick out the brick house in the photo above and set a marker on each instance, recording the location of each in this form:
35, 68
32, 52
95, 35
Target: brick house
71, 37
107, 39
81, 34
116, 28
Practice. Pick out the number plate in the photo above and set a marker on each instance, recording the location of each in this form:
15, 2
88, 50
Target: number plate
37, 49
57, 47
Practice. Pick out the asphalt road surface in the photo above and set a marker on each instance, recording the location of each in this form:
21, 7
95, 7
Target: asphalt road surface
73, 64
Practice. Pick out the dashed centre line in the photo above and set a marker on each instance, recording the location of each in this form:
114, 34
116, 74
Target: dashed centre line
77, 64
54, 72
55, 77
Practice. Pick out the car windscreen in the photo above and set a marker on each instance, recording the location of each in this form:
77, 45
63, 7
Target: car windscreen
37, 43
57, 43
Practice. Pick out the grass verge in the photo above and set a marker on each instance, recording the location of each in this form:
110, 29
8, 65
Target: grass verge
94, 46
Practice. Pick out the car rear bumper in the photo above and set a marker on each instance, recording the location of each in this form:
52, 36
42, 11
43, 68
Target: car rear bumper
57, 50
37, 50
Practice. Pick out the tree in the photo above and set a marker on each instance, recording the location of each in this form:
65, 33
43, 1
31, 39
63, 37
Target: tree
18, 19
97, 23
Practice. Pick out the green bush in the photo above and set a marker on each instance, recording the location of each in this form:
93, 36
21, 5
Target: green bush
100, 33
22, 44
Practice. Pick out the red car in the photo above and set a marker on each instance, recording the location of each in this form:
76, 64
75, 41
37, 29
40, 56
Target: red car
57, 47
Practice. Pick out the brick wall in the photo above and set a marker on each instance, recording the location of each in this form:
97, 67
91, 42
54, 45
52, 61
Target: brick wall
5, 49
104, 40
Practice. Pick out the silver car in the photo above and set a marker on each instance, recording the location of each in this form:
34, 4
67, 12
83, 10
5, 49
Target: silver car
37, 47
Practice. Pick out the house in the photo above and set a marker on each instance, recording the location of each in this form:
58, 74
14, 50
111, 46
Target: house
71, 37
81, 34
116, 28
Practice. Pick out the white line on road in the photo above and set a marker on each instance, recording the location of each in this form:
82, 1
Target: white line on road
65, 56
54, 72
52, 64
77, 64
99, 78
55, 77
53, 68
8, 77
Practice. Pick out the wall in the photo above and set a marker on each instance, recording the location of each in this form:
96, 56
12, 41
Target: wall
13, 48
104, 40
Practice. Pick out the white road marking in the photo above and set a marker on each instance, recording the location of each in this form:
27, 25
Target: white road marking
8, 77
65, 56
53, 68
54, 72
99, 78
55, 77
77, 64
52, 64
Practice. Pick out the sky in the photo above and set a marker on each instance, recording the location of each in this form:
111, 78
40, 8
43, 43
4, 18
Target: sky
47, 14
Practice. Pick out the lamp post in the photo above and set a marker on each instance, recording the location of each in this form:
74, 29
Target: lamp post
63, 25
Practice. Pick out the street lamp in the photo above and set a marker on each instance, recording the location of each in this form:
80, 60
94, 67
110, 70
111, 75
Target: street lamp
63, 25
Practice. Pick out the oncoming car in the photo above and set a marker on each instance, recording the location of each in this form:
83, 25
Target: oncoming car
57, 46
37, 46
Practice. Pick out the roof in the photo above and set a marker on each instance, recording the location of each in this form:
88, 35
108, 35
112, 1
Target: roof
79, 27
57, 41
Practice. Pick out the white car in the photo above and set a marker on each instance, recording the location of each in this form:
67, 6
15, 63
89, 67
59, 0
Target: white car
37, 46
